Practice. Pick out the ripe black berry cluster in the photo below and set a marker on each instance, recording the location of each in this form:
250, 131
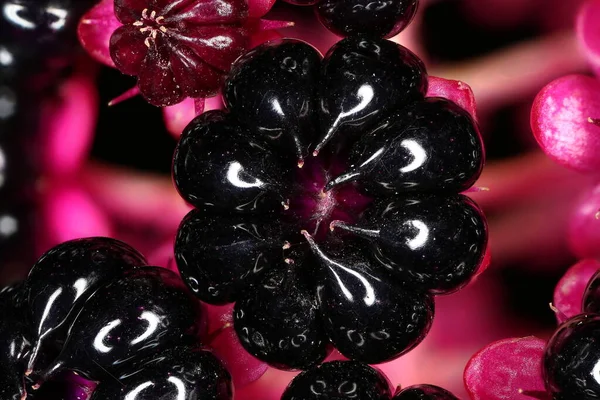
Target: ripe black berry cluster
92, 307
327, 201
380, 19
353, 380
572, 357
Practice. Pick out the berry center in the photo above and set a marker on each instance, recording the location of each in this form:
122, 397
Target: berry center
151, 24
315, 207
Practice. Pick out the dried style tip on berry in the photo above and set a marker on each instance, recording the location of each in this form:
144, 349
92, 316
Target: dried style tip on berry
382, 19
311, 261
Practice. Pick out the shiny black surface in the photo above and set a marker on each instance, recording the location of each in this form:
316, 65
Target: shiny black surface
179, 373
278, 321
367, 317
339, 380
63, 279
424, 392
377, 18
591, 296
432, 145
15, 343
362, 81
219, 164
144, 312
218, 256
47, 28
571, 363
433, 242
272, 88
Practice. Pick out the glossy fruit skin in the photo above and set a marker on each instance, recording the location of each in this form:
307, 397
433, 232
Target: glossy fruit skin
278, 321
180, 373
384, 76
219, 255
273, 90
382, 19
424, 392
15, 343
367, 316
302, 2
339, 380
571, 359
62, 280
434, 144
219, 164
436, 243
141, 313
45, 28
591, 296
318, 289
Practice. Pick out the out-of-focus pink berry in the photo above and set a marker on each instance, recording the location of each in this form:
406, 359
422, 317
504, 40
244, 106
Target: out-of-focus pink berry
568, 294
506, 369
584, 225
565, 119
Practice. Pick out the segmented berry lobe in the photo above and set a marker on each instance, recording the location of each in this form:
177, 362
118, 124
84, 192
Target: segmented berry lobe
339, 380
63, 279
572, 359
366, 17
178, 49
424, 392
591, 296
143, 312
299, 221
178, 373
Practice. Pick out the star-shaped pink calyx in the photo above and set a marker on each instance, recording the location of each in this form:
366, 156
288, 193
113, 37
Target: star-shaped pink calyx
177, 49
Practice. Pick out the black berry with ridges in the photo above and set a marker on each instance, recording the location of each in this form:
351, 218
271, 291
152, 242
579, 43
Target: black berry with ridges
339, 380
424, 392
145, 311
186, 373
262, 232
571, 362
367, 17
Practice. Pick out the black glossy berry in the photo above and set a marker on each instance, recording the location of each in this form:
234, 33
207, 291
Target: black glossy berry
273, 89
434, 242
366, 315
339, 380
222, 165
432, 145
64, 278
47, 28
376, 18
591, 296
296, 295
141, 313
424, 392
278, 321
15, 343
220, 255
572, 359
179, 373
362, 81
